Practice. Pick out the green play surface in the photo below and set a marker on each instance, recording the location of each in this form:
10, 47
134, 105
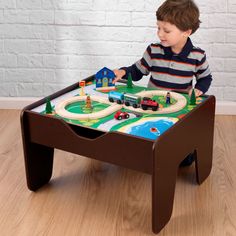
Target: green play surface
147, 125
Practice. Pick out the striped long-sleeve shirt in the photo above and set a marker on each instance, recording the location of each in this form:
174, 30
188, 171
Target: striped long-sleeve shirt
173, 71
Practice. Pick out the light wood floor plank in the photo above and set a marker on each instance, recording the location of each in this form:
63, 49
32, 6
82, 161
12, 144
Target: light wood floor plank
87, 197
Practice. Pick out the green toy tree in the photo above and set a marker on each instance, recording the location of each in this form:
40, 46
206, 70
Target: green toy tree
129, 81
193, 98
48, 106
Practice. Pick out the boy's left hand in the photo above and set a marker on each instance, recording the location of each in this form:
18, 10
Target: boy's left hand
197, 92
119, 74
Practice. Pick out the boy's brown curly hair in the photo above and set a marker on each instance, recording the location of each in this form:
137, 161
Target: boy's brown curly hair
184, 14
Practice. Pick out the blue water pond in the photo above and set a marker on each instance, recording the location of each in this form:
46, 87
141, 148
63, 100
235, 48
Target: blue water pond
151, 129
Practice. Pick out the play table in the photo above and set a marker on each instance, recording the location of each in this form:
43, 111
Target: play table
190, 132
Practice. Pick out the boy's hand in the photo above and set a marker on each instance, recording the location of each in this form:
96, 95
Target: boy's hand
197, 92
119, 74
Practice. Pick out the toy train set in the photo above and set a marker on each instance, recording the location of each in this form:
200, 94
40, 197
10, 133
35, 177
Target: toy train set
134, 110
133, 100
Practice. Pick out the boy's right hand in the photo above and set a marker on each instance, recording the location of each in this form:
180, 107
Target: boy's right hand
198, 92
119, 74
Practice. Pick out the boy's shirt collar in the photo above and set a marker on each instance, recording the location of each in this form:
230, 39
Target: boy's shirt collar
185, 51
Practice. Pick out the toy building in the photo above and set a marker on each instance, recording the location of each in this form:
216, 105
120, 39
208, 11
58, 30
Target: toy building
104, 79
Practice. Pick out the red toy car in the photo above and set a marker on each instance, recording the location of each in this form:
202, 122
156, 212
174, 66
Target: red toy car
121, 115
149, 103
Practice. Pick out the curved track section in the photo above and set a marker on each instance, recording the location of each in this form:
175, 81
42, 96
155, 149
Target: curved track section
181, 102
61, 111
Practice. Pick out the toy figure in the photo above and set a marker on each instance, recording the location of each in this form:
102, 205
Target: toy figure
168, 97
88, 102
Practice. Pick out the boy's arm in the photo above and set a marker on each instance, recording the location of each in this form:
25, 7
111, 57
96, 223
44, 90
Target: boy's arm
140, 68
203, 75
134, 71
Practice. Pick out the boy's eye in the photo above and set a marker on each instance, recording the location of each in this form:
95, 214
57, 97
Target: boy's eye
167, 31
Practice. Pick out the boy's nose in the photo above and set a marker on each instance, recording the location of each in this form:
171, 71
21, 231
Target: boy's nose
159, 34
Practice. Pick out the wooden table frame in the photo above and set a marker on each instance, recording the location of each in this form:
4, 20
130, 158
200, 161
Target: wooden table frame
159, 158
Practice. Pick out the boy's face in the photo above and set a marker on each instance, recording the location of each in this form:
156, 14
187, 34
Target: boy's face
171, 36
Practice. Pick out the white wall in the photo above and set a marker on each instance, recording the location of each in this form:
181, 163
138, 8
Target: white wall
49, 44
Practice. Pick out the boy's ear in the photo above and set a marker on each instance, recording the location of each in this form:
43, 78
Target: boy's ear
187, 33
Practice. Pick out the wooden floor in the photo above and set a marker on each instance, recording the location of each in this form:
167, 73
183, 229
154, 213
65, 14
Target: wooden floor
87, 197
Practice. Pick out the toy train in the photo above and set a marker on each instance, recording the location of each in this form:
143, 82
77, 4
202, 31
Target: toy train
133, 100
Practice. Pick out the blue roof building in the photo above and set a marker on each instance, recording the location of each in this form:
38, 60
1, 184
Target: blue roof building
104, 79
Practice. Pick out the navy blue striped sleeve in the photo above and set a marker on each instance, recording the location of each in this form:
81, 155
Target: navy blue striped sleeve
140, 68
134, 71
203, 75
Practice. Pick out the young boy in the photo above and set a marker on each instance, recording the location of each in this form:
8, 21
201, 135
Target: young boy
174, 62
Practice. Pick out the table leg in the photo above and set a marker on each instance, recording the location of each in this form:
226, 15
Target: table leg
38, 165
163, 190
194, 134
